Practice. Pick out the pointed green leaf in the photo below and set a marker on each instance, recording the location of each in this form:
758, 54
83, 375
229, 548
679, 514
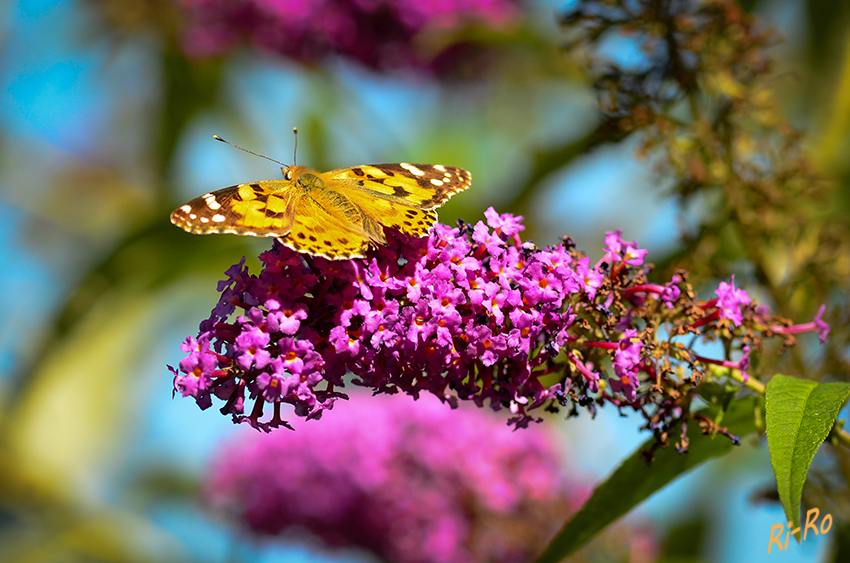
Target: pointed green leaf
634, 481
799, 415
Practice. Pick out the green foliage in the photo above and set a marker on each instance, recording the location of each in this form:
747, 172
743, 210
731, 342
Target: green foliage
800, 415
635, 481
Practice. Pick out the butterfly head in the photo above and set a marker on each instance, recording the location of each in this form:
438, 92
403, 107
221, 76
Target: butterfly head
302, 176
291, 172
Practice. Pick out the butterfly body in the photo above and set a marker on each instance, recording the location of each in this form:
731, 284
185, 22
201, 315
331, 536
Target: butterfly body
338, 214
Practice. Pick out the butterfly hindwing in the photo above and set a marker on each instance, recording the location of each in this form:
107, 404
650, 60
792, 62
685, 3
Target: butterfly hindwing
409, 220
319, 233
402, 196
262, 209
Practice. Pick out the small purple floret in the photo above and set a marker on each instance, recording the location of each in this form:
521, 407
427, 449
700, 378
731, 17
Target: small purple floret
729, 300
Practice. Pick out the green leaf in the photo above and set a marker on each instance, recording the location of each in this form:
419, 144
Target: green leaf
799, 415
635, 481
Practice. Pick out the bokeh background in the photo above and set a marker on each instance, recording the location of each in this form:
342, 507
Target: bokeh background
107, 113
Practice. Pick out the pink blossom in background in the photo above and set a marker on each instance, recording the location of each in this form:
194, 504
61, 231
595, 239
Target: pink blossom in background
410, 481
380, 34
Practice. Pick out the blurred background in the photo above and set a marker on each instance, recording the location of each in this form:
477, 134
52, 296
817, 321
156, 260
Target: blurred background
106, 120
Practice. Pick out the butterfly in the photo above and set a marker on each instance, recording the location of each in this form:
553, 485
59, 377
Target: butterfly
337, 215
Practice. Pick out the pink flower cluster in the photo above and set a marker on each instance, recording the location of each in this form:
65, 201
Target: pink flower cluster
466, 310
467, 313
379, 34
410, 482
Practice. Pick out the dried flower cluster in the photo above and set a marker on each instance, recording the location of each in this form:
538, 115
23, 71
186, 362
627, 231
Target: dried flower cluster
698, 89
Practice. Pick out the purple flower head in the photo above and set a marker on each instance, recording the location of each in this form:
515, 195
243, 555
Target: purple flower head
541, 285
412, 482
197, 368
558, 260
272, 385
634, 255
507, 224
671, 292
730, 300
234, 274
618, 249
525, 331
626, 364
486, 345
490, 241
613, 244
345, 342
505, 268
250, 347
465, 314
200, 360
444, 313
285, 319
589, 279
445, 298
499, 299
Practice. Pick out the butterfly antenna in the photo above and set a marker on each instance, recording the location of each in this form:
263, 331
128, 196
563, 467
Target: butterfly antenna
295, 150
217, 138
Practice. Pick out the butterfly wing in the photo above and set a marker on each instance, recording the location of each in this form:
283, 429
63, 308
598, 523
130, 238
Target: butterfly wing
317, 231
340, 219
402, 195
263, 209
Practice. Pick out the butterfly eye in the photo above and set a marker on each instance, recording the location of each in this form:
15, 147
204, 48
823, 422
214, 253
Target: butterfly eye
287, 173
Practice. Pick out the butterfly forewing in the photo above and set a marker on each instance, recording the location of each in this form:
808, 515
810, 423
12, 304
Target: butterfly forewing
423, 186
262, 209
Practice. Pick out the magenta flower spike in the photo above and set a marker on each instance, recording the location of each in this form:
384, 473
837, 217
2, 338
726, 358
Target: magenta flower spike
468, 313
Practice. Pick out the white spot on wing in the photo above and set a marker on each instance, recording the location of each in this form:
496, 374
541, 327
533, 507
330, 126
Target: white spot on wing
437, 182
440, 167
218, 218
412, 169
186, 208
204, 220
192, 216
213, 205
